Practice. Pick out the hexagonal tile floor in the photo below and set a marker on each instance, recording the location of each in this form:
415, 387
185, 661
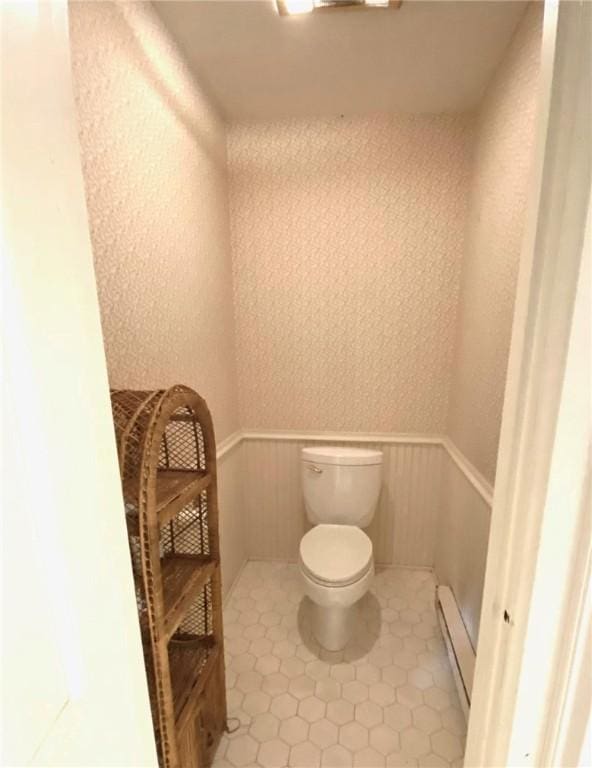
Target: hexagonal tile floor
388, 699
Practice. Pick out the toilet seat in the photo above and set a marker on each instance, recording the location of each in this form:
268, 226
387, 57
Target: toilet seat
335, 555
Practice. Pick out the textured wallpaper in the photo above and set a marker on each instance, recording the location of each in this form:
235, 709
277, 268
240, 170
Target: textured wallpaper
347, 238
499, 187
154, 162
347, 243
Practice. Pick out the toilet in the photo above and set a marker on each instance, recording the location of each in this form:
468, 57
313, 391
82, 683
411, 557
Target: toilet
341, 487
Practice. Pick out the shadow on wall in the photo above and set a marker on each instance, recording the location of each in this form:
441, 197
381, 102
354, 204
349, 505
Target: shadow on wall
382, 528
146, 51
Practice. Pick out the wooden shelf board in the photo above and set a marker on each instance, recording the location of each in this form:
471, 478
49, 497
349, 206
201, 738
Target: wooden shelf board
182, 576
175, 488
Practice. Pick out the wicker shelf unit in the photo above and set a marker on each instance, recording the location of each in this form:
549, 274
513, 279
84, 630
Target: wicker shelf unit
167, 460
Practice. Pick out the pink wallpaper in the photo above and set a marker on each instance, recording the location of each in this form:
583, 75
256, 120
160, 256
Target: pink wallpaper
154, 162
347, 243
499, 187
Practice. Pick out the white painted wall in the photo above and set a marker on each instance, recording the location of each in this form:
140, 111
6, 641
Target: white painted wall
73, 684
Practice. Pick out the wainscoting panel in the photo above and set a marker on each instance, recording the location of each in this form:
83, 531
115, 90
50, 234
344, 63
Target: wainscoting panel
273, 497
411, 500
233, 526
462, 540
405, 525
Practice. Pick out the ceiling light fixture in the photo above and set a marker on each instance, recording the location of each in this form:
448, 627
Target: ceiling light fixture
294, 7
297, 7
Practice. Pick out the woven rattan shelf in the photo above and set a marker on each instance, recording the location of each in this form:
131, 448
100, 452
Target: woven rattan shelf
168, 468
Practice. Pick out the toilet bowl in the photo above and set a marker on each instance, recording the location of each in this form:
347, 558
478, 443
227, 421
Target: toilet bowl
337, 568
341, 488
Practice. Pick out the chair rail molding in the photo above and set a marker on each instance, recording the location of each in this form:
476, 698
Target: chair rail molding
472, 474
481, 485
408, 438
225, 446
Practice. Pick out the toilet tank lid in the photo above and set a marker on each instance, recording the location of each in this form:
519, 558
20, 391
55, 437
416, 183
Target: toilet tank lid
333, 454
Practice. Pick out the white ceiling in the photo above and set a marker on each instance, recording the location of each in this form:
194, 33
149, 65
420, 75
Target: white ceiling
426, 57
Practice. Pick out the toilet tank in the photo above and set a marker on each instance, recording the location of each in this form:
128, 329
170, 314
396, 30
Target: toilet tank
341, 485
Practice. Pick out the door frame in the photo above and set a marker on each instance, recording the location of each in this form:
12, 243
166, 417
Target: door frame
74, 690
535, 620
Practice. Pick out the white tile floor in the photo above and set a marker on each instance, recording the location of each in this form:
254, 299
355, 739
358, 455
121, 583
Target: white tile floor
388, 699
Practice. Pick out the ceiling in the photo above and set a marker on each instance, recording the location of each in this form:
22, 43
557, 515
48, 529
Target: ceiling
425, 57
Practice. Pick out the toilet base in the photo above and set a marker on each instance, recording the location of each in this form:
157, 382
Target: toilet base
333, 625
334, 610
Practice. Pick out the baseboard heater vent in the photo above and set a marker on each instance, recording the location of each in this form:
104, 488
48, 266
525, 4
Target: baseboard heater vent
460, 650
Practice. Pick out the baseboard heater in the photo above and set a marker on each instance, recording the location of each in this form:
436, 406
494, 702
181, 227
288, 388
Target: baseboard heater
458, 645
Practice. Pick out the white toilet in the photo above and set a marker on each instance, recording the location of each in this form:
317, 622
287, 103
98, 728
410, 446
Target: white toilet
341, 488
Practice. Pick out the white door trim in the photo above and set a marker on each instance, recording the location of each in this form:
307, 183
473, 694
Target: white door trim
74, 690
519, 659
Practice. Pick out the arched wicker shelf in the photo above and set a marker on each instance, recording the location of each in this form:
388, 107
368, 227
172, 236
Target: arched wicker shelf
167, 460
